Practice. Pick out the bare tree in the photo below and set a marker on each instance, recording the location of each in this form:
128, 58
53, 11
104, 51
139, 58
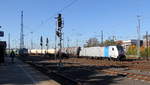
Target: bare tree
92, 42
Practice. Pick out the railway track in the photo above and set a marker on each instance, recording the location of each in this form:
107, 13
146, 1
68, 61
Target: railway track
64, 80
71, 76
129, 75
65, 76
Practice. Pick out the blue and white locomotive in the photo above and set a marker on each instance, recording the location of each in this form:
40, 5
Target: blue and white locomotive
111, 52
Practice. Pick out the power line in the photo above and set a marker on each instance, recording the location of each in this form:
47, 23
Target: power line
61, 10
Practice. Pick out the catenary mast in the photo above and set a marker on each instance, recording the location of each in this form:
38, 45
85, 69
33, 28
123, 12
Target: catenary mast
21, 33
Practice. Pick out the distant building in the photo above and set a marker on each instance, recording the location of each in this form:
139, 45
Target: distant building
145, 42
128, 43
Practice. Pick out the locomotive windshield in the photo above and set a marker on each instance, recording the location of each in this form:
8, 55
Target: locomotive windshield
120, 48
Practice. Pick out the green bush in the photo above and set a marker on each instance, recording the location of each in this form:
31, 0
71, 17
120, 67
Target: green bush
132, 50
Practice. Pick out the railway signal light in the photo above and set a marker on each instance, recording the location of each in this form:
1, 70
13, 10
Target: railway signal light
47, 41
59, 21
41, 41
57, 33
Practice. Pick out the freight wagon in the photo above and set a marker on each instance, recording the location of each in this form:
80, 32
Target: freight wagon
71, 51
39, 51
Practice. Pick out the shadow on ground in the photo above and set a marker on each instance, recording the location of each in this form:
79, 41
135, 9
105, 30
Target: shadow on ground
86, 75
19, 73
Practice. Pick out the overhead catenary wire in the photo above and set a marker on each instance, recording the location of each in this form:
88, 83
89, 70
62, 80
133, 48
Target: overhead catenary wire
54, 15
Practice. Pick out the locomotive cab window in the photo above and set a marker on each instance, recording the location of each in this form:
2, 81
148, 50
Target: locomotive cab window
120, 48
112, 49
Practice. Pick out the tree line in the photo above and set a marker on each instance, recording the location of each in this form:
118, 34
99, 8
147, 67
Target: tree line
144, 51
94, 42
131, 50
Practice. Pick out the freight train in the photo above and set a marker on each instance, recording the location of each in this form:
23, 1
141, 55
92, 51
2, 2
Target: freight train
110, 52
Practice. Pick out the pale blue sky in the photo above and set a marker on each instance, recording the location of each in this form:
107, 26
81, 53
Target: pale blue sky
83, 19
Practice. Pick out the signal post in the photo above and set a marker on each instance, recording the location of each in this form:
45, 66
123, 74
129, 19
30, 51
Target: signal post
59, 35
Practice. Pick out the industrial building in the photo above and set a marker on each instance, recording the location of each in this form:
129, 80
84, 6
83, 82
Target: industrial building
128, 43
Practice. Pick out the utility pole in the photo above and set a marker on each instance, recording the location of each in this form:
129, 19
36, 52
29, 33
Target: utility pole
59, 34
147, 43
101, 36
47, 41
77, 42
41, 43
9, 43
31, 41
113, 38
68, 42
21, 33
63, 40
138, 33
55, 39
